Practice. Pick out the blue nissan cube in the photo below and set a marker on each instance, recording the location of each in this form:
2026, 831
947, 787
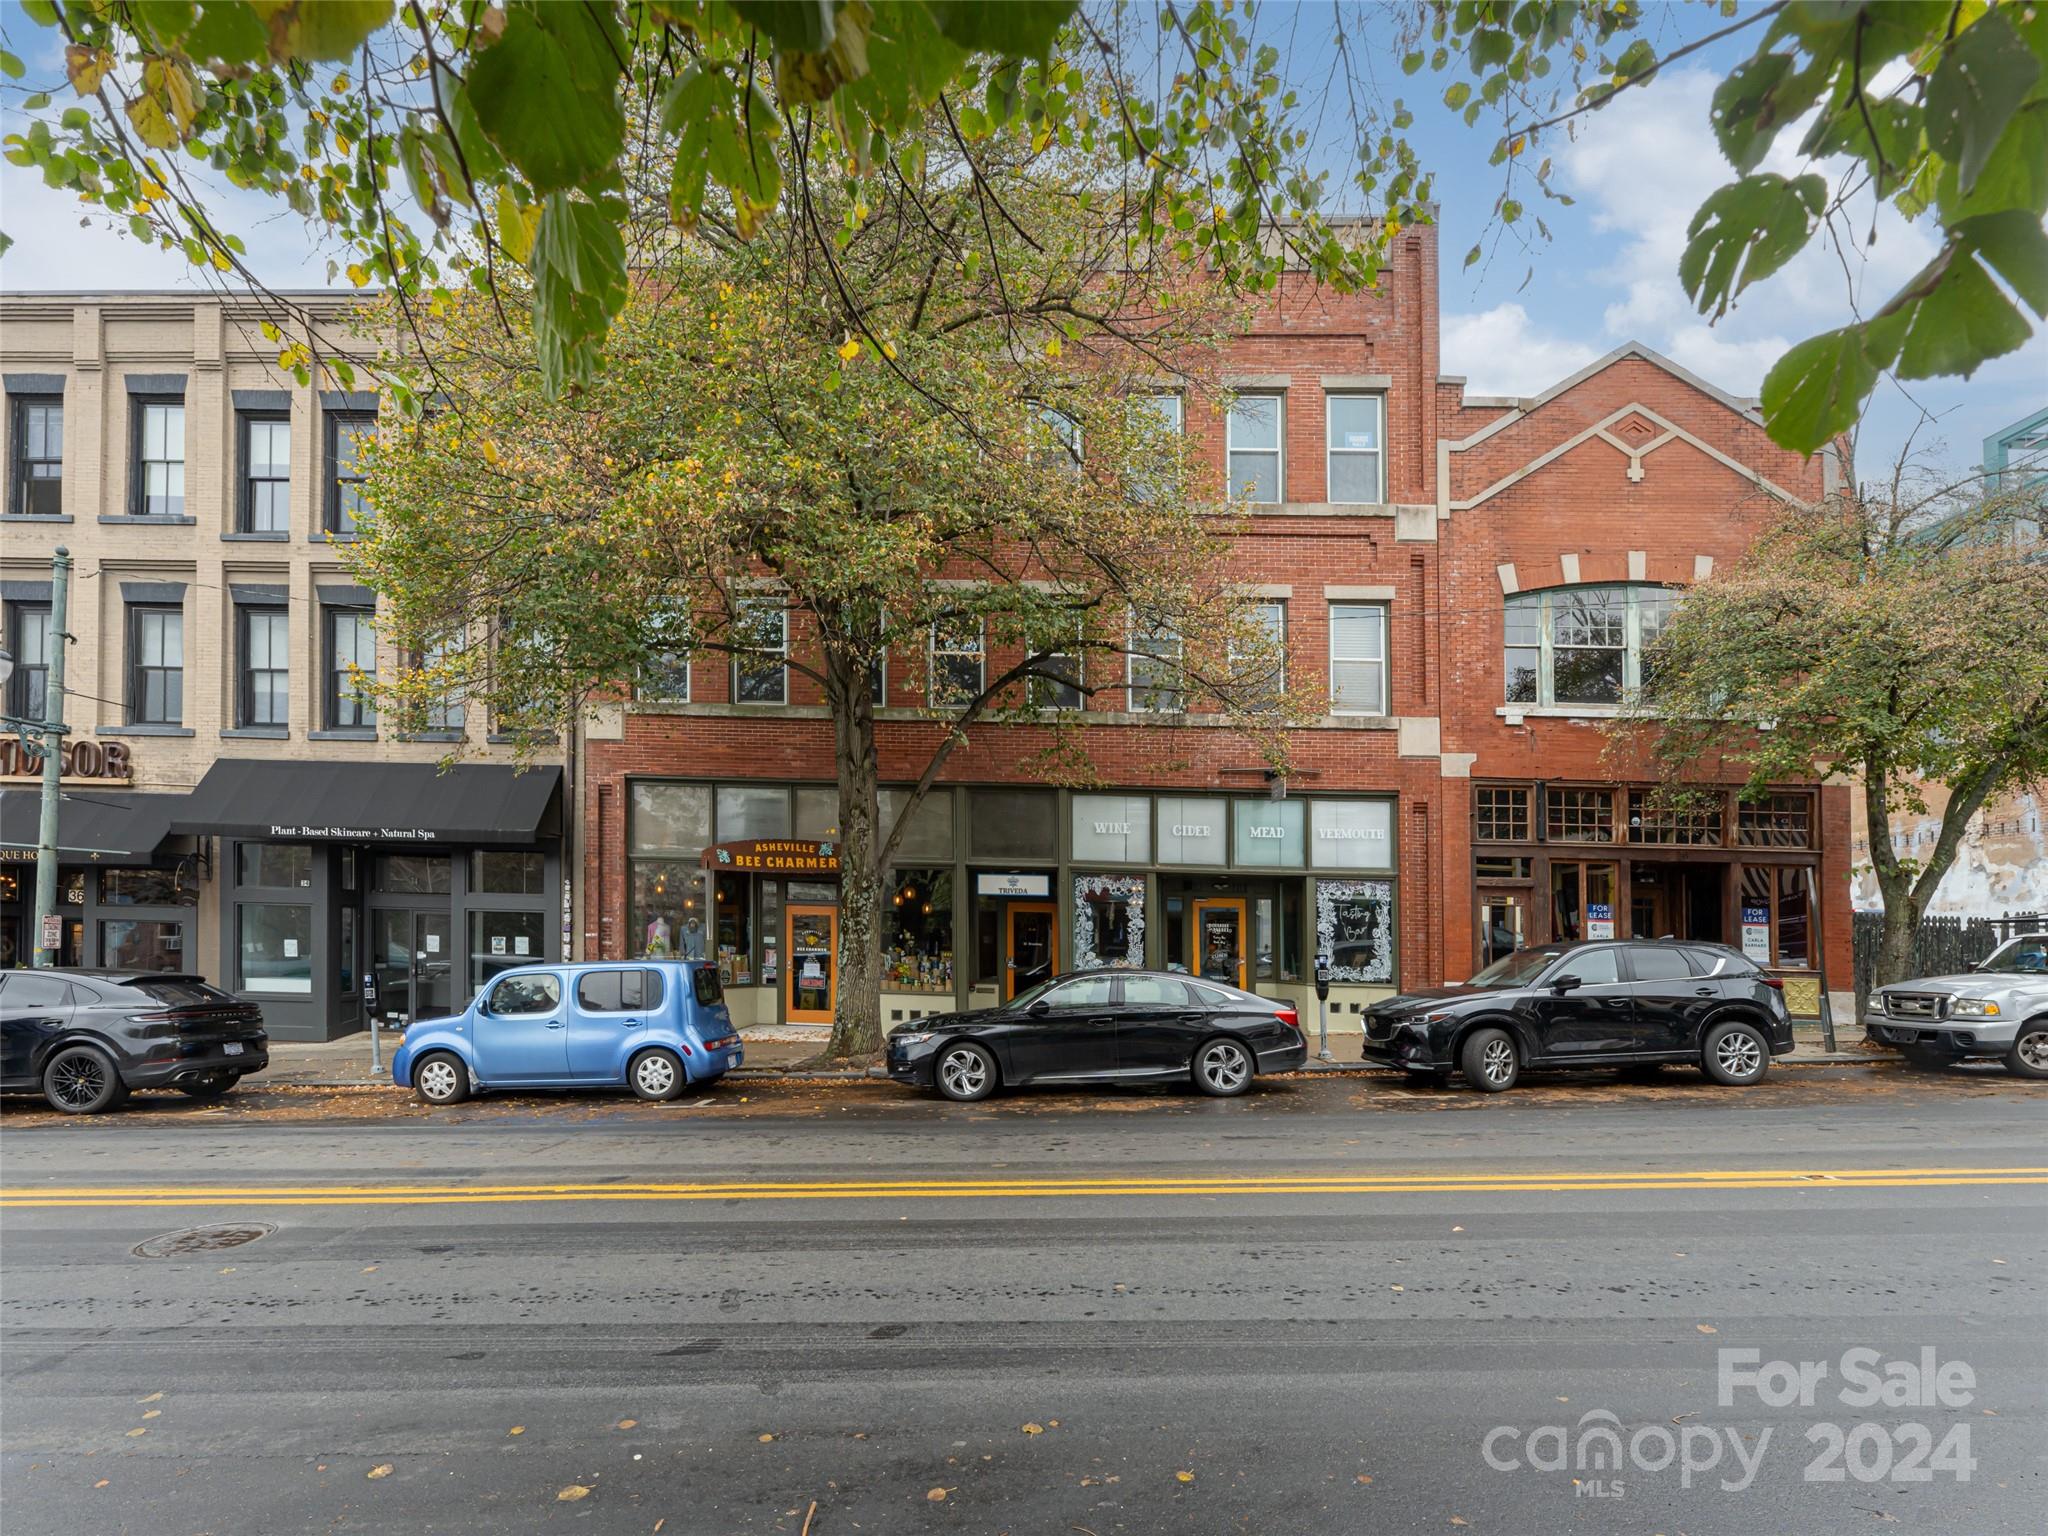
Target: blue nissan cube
655, 1026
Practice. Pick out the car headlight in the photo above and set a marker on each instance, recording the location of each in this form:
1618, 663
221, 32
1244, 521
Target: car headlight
1974, 1008
915, 1037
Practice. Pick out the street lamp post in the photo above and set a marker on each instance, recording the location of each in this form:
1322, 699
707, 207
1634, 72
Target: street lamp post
46, 737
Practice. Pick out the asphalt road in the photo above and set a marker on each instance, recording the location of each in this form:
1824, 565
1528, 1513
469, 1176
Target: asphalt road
1336, 1306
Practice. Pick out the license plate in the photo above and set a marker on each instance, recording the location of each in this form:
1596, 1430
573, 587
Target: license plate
233, 1048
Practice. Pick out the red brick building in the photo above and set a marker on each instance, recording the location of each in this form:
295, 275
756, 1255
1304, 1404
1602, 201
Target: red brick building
1472, 579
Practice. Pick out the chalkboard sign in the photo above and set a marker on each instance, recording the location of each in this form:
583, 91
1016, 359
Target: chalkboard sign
1354, 927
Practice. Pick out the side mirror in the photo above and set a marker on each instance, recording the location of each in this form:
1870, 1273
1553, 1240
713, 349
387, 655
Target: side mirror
1566, 984
1039, 1009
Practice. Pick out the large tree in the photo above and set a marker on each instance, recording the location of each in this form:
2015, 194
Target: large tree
1003, 473
1893, 635
455, 145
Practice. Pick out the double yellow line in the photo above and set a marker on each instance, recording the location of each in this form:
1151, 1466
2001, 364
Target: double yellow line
1203, 1185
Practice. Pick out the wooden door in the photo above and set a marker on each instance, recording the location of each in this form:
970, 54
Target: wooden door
1218, 941
811, 964
1034, 934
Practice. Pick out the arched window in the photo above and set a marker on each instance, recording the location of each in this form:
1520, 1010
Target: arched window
1580, 645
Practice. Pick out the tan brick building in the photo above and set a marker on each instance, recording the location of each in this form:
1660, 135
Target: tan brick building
233, 807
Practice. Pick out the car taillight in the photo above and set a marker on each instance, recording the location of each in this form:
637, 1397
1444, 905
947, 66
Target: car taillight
1290, 1018
1773, 981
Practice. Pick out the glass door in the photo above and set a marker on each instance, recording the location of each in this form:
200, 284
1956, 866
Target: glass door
1219, 939
1503, 924
813, 967
413, 959
433, 965
1034, 945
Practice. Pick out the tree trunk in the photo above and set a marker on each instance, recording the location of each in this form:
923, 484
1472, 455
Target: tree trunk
1895, 949
857, 1014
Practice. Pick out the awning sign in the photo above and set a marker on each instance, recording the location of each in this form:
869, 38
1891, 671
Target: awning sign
774, 856
1013, 884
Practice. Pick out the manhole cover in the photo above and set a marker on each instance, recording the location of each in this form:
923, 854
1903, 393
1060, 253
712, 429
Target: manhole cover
202, 1240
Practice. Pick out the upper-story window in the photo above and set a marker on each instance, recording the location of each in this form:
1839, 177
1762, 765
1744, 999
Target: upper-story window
1358, 658
1057, 682
156, 670
345, 504
28, 639
1059, 439
445, 712
266, 667
38, 435
1155, 652
958, 659
160, 458
1255, 431
665, 677
1580, 645
1259, 661
266, 500
1161, 413
761, 674
1357, 457
351, 667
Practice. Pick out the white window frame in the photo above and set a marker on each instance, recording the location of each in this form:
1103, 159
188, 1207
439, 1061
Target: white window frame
747, 605
447, 712
677, 614
1175, 423
944, 698
1280, 666
1132, 660
1063, 450
1543, 601
1278, 450
1380, 661
1331, 452
1039, 687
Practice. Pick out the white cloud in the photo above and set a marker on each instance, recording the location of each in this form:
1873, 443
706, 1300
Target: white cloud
1500, 351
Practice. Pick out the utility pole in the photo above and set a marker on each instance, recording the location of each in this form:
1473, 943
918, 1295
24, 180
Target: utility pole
46, 737
49, 947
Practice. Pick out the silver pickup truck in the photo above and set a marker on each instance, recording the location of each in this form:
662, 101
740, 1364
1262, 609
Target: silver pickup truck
1999, 1007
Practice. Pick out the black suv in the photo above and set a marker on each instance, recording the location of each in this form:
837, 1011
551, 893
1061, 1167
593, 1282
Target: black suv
83, 1039
1590, 1005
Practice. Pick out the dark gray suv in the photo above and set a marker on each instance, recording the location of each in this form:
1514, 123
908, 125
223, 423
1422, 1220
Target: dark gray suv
1589, 1005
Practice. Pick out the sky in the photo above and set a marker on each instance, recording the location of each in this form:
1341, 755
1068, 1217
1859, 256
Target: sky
1520, 320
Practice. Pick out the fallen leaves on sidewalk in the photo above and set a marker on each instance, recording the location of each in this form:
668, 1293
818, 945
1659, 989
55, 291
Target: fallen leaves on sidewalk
382, 1469
572, 1493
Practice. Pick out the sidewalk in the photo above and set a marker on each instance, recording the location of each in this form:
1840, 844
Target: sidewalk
777, 1049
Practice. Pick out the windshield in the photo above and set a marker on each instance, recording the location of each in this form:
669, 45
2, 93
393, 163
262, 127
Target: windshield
2020, 957
1515, 970
1031, 995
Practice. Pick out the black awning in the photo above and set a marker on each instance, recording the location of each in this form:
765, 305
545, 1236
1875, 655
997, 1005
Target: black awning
373, 802
103, 821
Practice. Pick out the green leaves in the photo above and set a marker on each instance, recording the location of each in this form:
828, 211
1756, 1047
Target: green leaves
1760, 95
1022, 29
1815, 392
547, 92
579, 283
1746, 231
1975, 90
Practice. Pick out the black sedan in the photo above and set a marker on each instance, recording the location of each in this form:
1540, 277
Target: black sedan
84, 1039
1590, 1005
1108, 1026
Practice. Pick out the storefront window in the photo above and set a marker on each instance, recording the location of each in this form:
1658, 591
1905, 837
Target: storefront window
1355, 928
733, 925
771, 931
748, 811
671, 819
413, 874
1777, 916
665, 910
1113, 828
275, 866
348, 951
1581, 901
507, 874
930, 833
1011, 824
145, 888
1193, 831
1291, 968
1109, 920
1269, 833
817, 814
917, 932
276, 945
501, 940
1352, 834
142, 944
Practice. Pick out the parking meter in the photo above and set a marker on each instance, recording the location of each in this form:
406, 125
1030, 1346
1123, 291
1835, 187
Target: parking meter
370, 1001
1323, 1006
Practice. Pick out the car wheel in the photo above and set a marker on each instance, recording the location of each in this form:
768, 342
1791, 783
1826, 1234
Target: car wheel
1735, 1054
657, 1075
441, 1079
2029, 1054
1223, 1068
82, 1080
211, 1086
965, 1073
1490, 1061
